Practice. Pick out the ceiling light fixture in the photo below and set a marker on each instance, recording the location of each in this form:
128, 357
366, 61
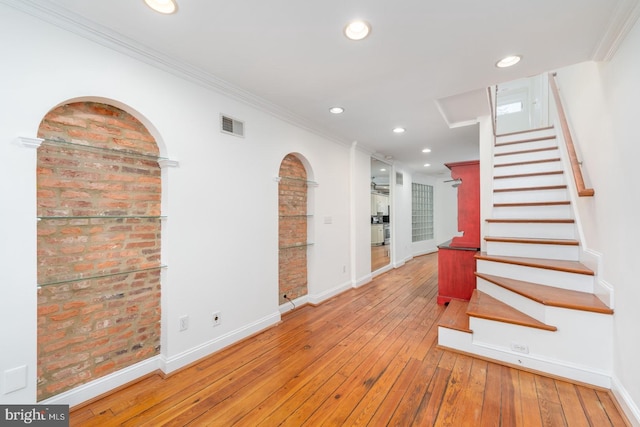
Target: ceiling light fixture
163, 6
426, 165
426, 150
399, 130
508, 61
336, 110
357, 30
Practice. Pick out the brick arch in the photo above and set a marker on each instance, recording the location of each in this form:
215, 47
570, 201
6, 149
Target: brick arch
292, 229
99, 195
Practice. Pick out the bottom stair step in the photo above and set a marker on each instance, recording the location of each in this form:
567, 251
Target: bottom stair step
455, 316
484, 306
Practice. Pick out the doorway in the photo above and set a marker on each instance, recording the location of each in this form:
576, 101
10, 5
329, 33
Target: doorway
380, 214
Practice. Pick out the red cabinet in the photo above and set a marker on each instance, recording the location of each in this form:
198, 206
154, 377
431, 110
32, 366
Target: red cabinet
456, 262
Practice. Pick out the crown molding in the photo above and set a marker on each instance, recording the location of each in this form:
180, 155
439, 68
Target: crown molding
622, 20
67, 20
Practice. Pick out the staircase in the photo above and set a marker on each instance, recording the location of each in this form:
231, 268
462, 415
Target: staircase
534, 305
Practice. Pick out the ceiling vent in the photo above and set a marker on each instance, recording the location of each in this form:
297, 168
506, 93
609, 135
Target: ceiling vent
231, 126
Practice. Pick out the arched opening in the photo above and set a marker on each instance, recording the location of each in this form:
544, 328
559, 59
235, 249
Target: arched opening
99, 230
293, 236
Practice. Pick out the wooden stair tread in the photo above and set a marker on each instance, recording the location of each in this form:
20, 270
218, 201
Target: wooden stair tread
533, 150
528, 162
486, 307
547, 187
531, 240
549, 264
528, 175
505, 205
532, 220
455, 316
550, 295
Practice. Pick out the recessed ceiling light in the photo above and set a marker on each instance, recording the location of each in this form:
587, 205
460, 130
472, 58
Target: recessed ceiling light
508, 61
383, 170
336, 110
426, 165
399, 130
357, 30
426, 150
163, 6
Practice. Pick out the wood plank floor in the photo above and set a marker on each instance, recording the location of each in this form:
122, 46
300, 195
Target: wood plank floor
366, 357
380, 256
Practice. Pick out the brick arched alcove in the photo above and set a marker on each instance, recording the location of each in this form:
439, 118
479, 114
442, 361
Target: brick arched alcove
292, 229
99, 192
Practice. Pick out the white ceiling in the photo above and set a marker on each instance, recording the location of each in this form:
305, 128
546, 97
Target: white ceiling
291, 57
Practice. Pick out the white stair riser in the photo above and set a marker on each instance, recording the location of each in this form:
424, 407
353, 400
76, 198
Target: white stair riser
529, 181
523, 146
528, 135
537, 212
534, 250
526, 157
553, 166
532, 230
580, 342
524, 196
559, 279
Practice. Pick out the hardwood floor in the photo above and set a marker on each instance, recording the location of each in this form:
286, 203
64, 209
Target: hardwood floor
380, 256
366, 357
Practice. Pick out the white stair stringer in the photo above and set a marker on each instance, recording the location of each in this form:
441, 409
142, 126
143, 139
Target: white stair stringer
526, 209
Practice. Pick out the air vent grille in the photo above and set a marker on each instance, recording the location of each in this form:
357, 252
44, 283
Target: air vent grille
399, 178
231, 126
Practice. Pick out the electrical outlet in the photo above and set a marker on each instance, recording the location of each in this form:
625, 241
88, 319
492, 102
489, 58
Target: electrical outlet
520, 348
184, 323
215, 318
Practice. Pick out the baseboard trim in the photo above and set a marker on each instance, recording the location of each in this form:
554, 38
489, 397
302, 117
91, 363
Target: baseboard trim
106, 384
625, 402
329, 293
171, 364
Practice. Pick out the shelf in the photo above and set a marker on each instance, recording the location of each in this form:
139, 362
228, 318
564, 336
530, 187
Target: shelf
296, 216
286, 178
99, 276
103, 217
78, 146
297, 245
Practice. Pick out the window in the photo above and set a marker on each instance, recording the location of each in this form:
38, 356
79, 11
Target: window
514, 107
421, 212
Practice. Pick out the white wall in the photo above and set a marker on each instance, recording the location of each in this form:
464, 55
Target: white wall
601, 101
220, 238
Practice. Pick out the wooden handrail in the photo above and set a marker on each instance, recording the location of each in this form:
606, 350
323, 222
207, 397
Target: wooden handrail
571, 150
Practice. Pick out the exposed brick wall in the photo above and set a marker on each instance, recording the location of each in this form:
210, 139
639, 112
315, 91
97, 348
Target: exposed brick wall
88, 325
292, 228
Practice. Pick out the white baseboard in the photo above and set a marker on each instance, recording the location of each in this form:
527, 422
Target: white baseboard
329, 293
290, 305
194, 354
628, 406
105, 384
363, 280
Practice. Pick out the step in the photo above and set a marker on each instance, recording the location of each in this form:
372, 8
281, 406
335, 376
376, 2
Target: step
540, 210
549, 193
544, 132
557, 249
521, 156
539, 179
564, 274
552, 228
455, 316
525, 144
549, 295
552, 164
486, 307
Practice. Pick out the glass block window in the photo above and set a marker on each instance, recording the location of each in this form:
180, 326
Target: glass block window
421, 212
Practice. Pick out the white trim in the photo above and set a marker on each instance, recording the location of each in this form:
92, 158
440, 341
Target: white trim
105, 384
194, 354
287, 307
623, 18
27, 142
329, 293
362, 280
625, 401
